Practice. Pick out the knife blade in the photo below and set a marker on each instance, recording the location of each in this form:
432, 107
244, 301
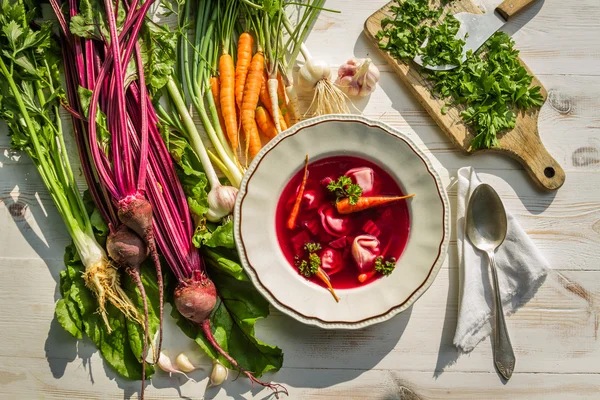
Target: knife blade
479, 27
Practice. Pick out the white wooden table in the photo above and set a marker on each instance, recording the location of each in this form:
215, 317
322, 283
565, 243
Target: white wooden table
555, 336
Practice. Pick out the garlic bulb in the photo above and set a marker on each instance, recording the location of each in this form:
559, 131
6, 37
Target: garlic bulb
219, 374
358, 77
221, 200
312, 72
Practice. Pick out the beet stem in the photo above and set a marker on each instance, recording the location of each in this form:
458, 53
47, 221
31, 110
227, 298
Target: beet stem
275, 387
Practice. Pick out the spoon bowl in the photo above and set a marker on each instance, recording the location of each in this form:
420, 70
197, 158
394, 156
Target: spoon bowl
486, 219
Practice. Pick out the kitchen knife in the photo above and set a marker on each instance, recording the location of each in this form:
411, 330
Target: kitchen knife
479, 28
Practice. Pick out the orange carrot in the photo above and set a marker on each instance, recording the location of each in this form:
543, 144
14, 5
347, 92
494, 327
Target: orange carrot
227, 102
322, 275
282, 103
291, 223
244, 55
265, 123
249, 103
216, 92
366, 276
265, 99
363, 203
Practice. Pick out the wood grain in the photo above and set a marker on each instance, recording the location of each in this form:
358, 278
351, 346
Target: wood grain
410, 357
521, 143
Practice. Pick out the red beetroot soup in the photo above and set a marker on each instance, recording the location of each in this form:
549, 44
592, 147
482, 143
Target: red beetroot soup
349, 243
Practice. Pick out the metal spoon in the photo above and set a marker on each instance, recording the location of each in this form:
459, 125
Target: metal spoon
486, 228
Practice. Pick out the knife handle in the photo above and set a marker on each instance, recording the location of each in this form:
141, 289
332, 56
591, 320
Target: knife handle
510, 8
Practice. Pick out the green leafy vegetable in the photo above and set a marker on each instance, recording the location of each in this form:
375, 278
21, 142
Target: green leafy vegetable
385, 267
344, 188
491, 84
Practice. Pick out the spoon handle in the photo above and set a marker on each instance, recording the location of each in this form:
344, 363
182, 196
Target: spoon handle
504, 357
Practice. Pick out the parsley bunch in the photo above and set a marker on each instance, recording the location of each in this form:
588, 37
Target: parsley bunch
491, 83
343, 188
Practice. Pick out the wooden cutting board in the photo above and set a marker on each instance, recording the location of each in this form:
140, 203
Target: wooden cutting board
521, 143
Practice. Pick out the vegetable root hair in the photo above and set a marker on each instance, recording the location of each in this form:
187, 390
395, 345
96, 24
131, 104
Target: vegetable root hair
104, 281
328, 99
275, 387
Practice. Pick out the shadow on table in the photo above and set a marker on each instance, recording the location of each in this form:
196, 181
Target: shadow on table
350, 352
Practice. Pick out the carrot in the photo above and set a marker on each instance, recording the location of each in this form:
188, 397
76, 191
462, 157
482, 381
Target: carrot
366, 276
363, 203
294, 106
244, 55
283, 106
249, 103
265, 123
227, 100
322, 275
265, 99
275, 112
216, 92
291, 223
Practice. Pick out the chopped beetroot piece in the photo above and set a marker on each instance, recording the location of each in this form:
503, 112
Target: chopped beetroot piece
312, 225
299, 240
371, 228
339, 243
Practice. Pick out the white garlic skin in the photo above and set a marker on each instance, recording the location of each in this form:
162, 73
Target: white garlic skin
358, 77
311, 73
221, 201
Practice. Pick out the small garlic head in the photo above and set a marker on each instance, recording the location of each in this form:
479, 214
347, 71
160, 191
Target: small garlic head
219, 374
311, 73
221, 200
358, 77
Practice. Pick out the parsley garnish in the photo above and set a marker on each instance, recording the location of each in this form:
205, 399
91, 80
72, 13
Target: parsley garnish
385, 267
344, 187
309, 267
491, 84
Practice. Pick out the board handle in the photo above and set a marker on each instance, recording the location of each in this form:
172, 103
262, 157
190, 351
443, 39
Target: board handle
543, 168
510, 8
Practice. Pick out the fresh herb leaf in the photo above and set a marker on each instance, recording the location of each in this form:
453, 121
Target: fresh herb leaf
309, 267
385, 267
343, 188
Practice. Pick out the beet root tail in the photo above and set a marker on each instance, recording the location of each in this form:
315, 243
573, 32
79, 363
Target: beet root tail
275, 387
135, 277
159, 282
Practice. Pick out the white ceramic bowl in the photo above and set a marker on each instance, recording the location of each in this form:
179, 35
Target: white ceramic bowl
256, 237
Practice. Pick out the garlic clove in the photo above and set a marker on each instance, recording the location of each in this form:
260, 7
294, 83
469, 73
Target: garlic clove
219, 374
184, 363
164, 362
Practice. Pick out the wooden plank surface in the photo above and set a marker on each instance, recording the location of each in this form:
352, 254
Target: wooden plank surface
521, 143
555, 335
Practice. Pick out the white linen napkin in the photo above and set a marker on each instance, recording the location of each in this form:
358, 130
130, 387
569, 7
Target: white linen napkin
521, 270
